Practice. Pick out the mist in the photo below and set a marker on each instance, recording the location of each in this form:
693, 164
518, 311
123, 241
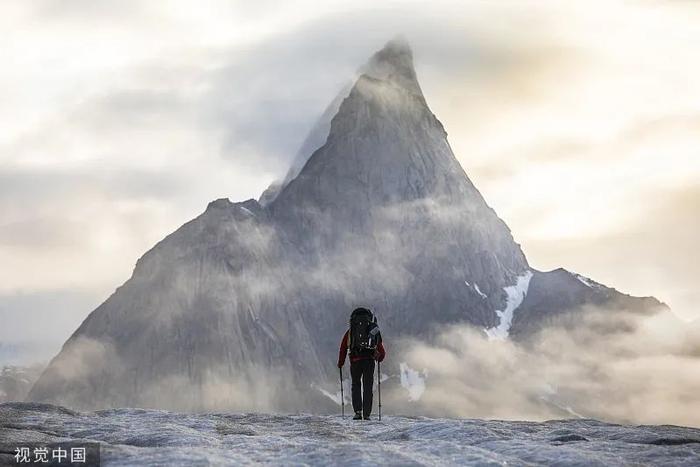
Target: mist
594, 363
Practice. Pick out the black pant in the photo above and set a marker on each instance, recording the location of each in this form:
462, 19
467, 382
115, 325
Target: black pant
362, 392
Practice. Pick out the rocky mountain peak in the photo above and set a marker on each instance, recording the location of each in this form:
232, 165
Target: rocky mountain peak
384, 146
390, 70
394, 63
221, 203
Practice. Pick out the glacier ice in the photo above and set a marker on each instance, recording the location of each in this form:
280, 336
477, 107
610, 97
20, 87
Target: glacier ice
156, 437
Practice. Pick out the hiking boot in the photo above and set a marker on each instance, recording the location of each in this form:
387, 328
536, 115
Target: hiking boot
365, 417
358, 416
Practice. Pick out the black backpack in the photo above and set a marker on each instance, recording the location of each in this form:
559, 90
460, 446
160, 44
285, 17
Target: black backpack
364, 336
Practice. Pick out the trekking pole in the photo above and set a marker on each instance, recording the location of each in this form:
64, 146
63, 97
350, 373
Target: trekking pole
379, 389
342, 397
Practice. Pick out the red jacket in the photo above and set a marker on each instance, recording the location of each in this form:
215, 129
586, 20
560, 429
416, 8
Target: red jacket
381, 353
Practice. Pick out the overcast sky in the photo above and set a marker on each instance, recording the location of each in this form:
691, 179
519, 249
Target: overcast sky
121, 120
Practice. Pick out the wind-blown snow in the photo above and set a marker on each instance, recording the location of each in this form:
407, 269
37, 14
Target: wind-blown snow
347, 387
336, 397
155, 437
515, 294
550, 396
412, 381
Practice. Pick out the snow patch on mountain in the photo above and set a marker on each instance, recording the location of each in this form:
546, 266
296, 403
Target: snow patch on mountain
476, 289
587, 282
412, 381
515, 296
481, 294
247, 211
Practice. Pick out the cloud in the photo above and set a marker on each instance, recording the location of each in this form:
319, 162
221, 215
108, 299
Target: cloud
87, 9
597, 364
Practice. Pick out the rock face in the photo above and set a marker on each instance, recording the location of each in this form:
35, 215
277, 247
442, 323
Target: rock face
380, 214
383, 209
555, 293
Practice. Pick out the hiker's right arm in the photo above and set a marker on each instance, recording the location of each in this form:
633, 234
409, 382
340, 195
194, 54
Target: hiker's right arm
343, 350
380, 353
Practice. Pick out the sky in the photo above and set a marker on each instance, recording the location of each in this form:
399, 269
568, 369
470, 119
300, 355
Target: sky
578, 121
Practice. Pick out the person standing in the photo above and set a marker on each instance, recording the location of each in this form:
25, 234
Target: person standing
363, 340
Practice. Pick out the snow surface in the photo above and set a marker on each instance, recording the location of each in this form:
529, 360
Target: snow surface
515, 295
412, 381
131, 437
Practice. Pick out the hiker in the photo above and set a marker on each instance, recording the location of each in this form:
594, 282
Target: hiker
364, 341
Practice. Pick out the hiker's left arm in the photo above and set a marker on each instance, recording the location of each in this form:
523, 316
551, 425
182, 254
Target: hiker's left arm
343, 350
